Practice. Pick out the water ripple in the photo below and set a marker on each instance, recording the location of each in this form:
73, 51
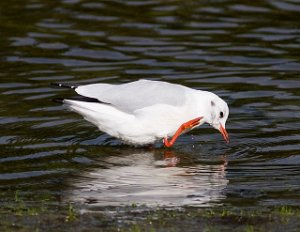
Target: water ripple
248, 53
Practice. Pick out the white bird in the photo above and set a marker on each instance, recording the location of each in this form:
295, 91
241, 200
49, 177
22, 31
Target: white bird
143, 112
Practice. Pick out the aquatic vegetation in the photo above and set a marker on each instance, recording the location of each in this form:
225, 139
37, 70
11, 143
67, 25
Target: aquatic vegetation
72, 215
136, 218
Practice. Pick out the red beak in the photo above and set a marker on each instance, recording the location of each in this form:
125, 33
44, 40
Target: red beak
224, 133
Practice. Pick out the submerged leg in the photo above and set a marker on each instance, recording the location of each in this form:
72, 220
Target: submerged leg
183, 127
170, 159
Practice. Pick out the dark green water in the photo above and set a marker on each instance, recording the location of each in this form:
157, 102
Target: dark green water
246, 52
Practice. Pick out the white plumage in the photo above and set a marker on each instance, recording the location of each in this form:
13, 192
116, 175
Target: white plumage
145, 111
136, 95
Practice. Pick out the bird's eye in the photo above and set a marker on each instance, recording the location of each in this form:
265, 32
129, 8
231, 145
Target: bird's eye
221, 114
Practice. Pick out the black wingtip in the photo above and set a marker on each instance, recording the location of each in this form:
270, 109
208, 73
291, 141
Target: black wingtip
77, 98
64, 85
58, 100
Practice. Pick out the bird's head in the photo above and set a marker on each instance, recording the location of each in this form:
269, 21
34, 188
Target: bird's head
218, 114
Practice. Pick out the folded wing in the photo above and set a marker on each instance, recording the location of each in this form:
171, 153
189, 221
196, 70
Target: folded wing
136, 95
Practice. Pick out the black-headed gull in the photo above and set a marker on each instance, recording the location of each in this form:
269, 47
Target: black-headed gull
144, 111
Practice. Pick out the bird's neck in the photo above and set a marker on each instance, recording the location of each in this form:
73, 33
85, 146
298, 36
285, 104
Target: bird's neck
204, 105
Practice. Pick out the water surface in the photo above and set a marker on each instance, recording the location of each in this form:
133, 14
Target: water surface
246, 52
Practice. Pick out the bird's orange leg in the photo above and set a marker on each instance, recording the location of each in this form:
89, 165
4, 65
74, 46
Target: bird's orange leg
187, 125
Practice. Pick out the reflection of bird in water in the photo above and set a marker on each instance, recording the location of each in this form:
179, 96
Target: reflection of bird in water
147, 178
142, 112
170, 159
